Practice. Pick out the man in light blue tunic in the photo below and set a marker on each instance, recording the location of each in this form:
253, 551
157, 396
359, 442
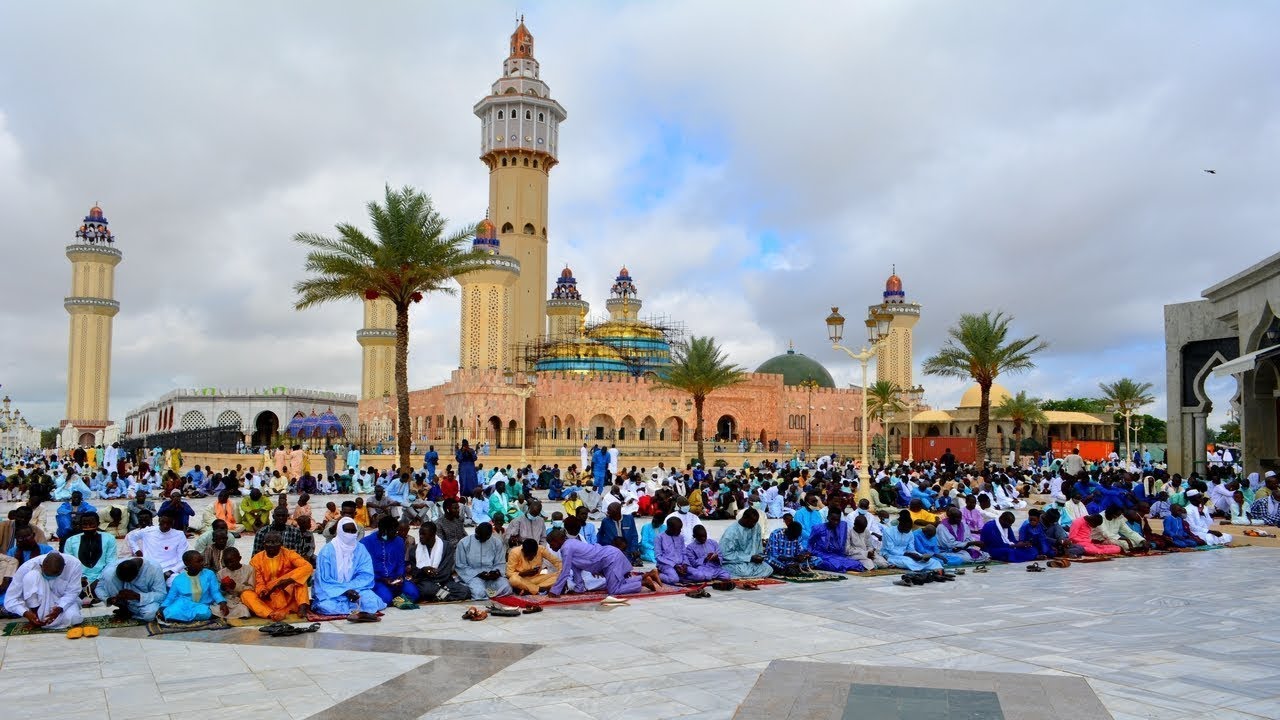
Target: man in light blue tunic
134, 586
343, 581
742, 550
481, 563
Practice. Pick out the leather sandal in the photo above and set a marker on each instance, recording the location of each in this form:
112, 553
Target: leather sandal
1035, 567
500, 611
698, 594
475, 614
723, 585
1059, 563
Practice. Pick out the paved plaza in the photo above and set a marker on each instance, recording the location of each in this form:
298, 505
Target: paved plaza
1177, 636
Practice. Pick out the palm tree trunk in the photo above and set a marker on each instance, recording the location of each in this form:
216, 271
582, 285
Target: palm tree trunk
984, 421
697, 433
402, 386
1017, 442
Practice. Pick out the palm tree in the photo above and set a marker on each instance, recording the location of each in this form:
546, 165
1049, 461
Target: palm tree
978, 348
1124, 396
698, 369
884, 397
410, 256
1021, 410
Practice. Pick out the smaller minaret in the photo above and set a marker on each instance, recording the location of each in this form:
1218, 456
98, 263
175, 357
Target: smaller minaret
893, 355
377, 348
92, 306
486, 342
623, 303
566, 310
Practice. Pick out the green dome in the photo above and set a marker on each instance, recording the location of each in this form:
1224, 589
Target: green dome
795, 368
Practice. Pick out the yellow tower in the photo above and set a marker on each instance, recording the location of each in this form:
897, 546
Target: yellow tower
92, 306
487, 312
378, 349
893, 356
519, 138
566, 310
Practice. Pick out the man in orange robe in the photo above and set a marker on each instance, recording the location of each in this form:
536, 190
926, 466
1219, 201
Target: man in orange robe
280, 581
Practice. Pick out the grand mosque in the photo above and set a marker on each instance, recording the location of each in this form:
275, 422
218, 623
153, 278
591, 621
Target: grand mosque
535, 371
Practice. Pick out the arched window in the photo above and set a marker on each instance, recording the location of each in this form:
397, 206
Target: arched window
507, 227
544, 230
542, 117
528, 228
499, 114
535, 163
528, 114
504, 162
526, 162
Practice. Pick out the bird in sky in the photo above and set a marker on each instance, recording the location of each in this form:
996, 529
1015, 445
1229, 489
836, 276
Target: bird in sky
1212, 172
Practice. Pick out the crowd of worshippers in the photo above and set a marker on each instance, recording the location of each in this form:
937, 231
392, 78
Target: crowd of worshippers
359, 557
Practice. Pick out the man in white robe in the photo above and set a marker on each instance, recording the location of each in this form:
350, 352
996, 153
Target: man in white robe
1198, 520
162, 545
46, 591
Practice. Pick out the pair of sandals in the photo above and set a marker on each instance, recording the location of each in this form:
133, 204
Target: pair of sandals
476, 614
925, 577
82, 631
283, 629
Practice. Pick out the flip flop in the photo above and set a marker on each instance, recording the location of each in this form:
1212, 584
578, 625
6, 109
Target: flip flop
959, 571
91, 631
980, 569
532, 609
904, 582
475, 614
1059, 563
1035, 567
698, 594
611, 600
723, 585
356, 617
75, 633
501, 611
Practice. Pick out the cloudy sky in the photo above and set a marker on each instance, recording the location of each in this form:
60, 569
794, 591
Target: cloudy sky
751, 163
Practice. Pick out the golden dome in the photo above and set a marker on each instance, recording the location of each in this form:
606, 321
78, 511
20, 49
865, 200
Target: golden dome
931, 416
893, 284
584, 349
566, 272
485, 229
972, 397
625, 329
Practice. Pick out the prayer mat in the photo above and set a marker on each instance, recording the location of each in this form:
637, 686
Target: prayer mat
215, 623
891, 571
102, 622
813, 576
1094, 559
737, 583
524, 601
252, 621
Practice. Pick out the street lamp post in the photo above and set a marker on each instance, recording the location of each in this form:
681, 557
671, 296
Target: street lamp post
1127, 412
913, 396
877, 330
524, 390
809, 384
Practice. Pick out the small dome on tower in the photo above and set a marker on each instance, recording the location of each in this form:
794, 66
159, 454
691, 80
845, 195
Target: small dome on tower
893, 288
521, 41
624, 273
566, 273
95, 213
485, 229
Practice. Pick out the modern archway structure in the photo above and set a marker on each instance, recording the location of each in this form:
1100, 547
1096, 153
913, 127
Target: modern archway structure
1232, 331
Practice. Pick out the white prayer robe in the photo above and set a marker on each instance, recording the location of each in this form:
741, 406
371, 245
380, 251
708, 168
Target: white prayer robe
163, 549
1199, 523
29, 590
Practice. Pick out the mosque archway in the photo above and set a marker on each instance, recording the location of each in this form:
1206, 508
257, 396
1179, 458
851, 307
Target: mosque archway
601, 427
648, 428
495, 430
265, 427
570, 427
672, 429
627, 428
726, 428
86, 439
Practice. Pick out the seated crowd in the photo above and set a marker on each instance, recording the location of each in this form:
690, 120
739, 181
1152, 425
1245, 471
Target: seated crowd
360, 556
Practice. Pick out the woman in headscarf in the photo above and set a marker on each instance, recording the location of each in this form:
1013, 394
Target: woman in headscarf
343, 582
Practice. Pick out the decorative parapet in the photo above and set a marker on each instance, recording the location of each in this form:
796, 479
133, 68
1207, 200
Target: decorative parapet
77, 248
376, 333
91, 302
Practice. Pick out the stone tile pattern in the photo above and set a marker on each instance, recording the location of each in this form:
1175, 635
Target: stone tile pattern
1177, 637
899, 702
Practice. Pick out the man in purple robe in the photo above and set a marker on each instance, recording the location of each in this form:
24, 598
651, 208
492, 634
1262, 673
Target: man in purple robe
606, 561
827, 543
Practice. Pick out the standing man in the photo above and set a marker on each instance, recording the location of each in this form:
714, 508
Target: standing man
613, 460
330, 461
353, 460
431, 459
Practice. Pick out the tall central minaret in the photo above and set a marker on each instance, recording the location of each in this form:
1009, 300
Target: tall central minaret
519, 138
92, 306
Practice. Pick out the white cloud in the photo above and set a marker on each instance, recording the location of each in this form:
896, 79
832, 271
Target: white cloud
1042, 159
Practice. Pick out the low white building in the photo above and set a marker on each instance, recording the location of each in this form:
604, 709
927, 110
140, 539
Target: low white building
16, 434
260, 414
